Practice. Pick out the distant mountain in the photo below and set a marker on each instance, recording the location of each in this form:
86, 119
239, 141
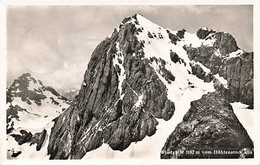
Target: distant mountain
31, 107
139, 95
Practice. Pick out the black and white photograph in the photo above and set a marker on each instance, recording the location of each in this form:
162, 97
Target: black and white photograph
130, 82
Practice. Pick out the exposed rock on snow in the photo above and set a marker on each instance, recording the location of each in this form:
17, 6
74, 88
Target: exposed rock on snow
237, 71
210, 125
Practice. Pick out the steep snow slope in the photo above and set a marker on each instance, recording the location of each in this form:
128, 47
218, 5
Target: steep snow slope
161, 48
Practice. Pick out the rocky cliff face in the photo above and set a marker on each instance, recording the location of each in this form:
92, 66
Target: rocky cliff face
139, 74
228, 61
209, 129
31, 107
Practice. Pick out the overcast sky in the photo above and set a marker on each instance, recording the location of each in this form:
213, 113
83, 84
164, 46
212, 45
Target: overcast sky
55, 43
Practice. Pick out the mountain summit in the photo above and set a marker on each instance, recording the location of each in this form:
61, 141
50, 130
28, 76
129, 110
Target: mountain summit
140, 83
31, 107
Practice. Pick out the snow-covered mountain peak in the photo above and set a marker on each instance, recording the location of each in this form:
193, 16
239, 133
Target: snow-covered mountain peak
24, 82
222, 43
31, 107
30, 90
172, 49
165, 51
29, 100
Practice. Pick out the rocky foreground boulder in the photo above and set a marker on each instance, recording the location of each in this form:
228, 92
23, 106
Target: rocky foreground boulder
210, 129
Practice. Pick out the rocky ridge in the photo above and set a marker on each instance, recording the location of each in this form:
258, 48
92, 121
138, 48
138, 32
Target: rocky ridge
226, 60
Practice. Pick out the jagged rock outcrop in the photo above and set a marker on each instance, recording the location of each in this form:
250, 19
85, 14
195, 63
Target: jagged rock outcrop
38, 139
181, 33
200, 73
23, 138
227, 60
210, 129
28, 137
224, 41
174, 38
118, 103
202, 33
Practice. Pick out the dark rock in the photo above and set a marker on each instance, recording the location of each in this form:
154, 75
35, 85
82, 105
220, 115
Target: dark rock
54, 101
154, 35
160, 35
238, 71
225, 42
181, 33
52, 90
209, 125
150, 35
204, 32
173, 37
166, 74
38, 139
239, 74
23, 138
12, 112
15, 154
126, 20
175, 58
200, 73
27, 137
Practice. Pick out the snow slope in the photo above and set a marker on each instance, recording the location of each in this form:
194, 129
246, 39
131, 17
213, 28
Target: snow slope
45, 112
246, 117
